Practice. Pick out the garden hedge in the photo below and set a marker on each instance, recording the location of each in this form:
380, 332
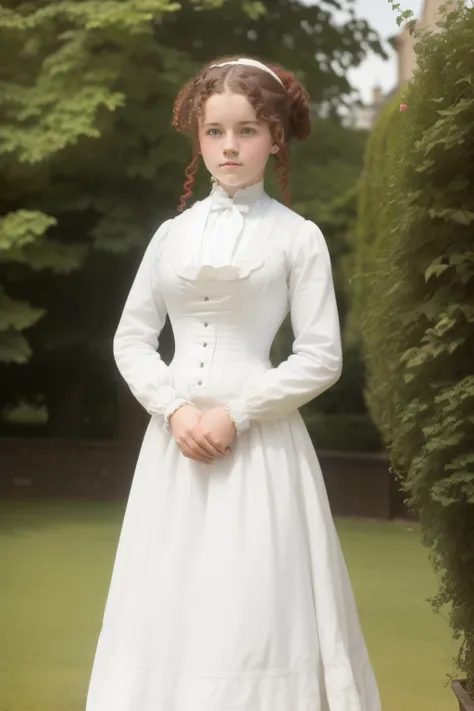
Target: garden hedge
416, 304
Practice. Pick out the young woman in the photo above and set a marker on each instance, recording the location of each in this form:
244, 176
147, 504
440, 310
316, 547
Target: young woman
229, 589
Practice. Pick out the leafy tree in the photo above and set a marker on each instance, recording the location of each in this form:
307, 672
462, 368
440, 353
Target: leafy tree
305, 38
87, 153
68, 155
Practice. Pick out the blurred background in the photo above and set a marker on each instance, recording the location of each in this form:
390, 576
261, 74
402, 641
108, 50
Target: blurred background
89, 168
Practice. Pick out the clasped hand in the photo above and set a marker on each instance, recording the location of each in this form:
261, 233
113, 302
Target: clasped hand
203, 436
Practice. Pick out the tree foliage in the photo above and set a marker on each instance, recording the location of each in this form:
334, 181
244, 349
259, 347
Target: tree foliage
85, 97
79, 136
305, 38
89, 165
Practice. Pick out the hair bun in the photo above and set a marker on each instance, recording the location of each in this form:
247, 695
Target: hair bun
300, 116
300, 108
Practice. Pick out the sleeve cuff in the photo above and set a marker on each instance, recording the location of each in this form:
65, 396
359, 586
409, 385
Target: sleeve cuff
174, 405
238, 416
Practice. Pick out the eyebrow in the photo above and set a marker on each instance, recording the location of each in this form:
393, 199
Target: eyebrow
240, 123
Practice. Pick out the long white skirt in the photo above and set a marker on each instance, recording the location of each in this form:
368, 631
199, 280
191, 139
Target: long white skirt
229, 590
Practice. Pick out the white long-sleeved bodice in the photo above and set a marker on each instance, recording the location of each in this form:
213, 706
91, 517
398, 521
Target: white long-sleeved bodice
229, 587
227, 271
224, 232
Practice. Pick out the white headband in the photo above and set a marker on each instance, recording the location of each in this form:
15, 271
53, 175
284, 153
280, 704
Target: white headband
251, 63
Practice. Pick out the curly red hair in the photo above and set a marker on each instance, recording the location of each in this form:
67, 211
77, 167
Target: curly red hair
286, 110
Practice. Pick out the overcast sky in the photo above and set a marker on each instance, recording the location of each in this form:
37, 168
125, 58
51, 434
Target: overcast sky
383, 19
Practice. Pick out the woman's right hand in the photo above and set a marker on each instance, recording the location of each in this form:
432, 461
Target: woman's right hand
185, 426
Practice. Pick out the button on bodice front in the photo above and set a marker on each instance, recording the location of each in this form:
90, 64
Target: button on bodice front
225, 302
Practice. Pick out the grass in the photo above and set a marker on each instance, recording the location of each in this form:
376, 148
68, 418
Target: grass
411, 648
56, 561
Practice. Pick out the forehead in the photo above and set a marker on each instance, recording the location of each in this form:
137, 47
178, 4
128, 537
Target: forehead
228, 108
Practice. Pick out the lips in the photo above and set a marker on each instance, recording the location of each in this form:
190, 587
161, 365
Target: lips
230, 164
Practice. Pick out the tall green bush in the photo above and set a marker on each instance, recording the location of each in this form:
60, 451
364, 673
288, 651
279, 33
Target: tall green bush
416, 224
371, 225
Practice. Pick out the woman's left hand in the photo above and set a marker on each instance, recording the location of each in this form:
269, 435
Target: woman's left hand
218, 428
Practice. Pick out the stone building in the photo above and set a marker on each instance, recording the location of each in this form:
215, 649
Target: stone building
363, 116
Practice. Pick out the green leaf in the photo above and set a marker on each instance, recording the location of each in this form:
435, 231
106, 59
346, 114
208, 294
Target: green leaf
23, 227
16, 314
14, 348
435, 269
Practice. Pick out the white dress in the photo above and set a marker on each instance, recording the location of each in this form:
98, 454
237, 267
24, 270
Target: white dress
229, 590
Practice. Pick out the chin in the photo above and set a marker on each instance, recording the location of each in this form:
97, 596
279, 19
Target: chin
236, 181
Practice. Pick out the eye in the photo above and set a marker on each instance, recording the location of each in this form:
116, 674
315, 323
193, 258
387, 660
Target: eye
210, 132
249, 131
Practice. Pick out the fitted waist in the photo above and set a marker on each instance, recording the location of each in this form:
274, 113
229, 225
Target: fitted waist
225, 358
215, 377
219, 365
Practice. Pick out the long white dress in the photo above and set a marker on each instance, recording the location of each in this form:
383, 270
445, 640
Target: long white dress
229, 590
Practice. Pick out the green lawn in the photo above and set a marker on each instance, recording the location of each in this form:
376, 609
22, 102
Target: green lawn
56, 560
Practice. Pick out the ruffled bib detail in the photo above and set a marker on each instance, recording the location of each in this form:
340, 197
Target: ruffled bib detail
183, 245
208, 272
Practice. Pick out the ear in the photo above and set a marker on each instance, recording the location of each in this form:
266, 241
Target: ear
274, 149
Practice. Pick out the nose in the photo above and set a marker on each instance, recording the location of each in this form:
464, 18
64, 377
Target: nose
231, 146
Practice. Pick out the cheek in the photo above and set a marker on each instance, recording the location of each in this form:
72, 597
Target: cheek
204, 143
261, 150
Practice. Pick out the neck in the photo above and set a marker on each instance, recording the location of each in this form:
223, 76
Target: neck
231, 190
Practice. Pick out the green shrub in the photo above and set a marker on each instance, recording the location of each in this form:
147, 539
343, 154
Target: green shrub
418, 306
371, 223
341, 432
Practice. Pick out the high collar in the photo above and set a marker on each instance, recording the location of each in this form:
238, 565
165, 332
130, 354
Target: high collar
245, 196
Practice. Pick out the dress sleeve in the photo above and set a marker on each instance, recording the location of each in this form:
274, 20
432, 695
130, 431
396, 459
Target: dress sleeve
136, 339
316, 362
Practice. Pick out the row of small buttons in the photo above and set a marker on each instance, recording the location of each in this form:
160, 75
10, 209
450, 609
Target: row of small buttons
206, 298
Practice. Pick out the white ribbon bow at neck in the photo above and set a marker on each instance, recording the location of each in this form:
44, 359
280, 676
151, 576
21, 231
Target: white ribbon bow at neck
233, 212
224, 202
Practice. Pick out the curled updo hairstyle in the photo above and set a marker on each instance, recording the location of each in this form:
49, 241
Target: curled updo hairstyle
286, 110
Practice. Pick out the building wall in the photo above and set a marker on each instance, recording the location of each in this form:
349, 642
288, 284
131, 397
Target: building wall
357, 484
364, 117
405, 42
430, 12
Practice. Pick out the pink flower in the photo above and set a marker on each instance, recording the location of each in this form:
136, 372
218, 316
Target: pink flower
403, 107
